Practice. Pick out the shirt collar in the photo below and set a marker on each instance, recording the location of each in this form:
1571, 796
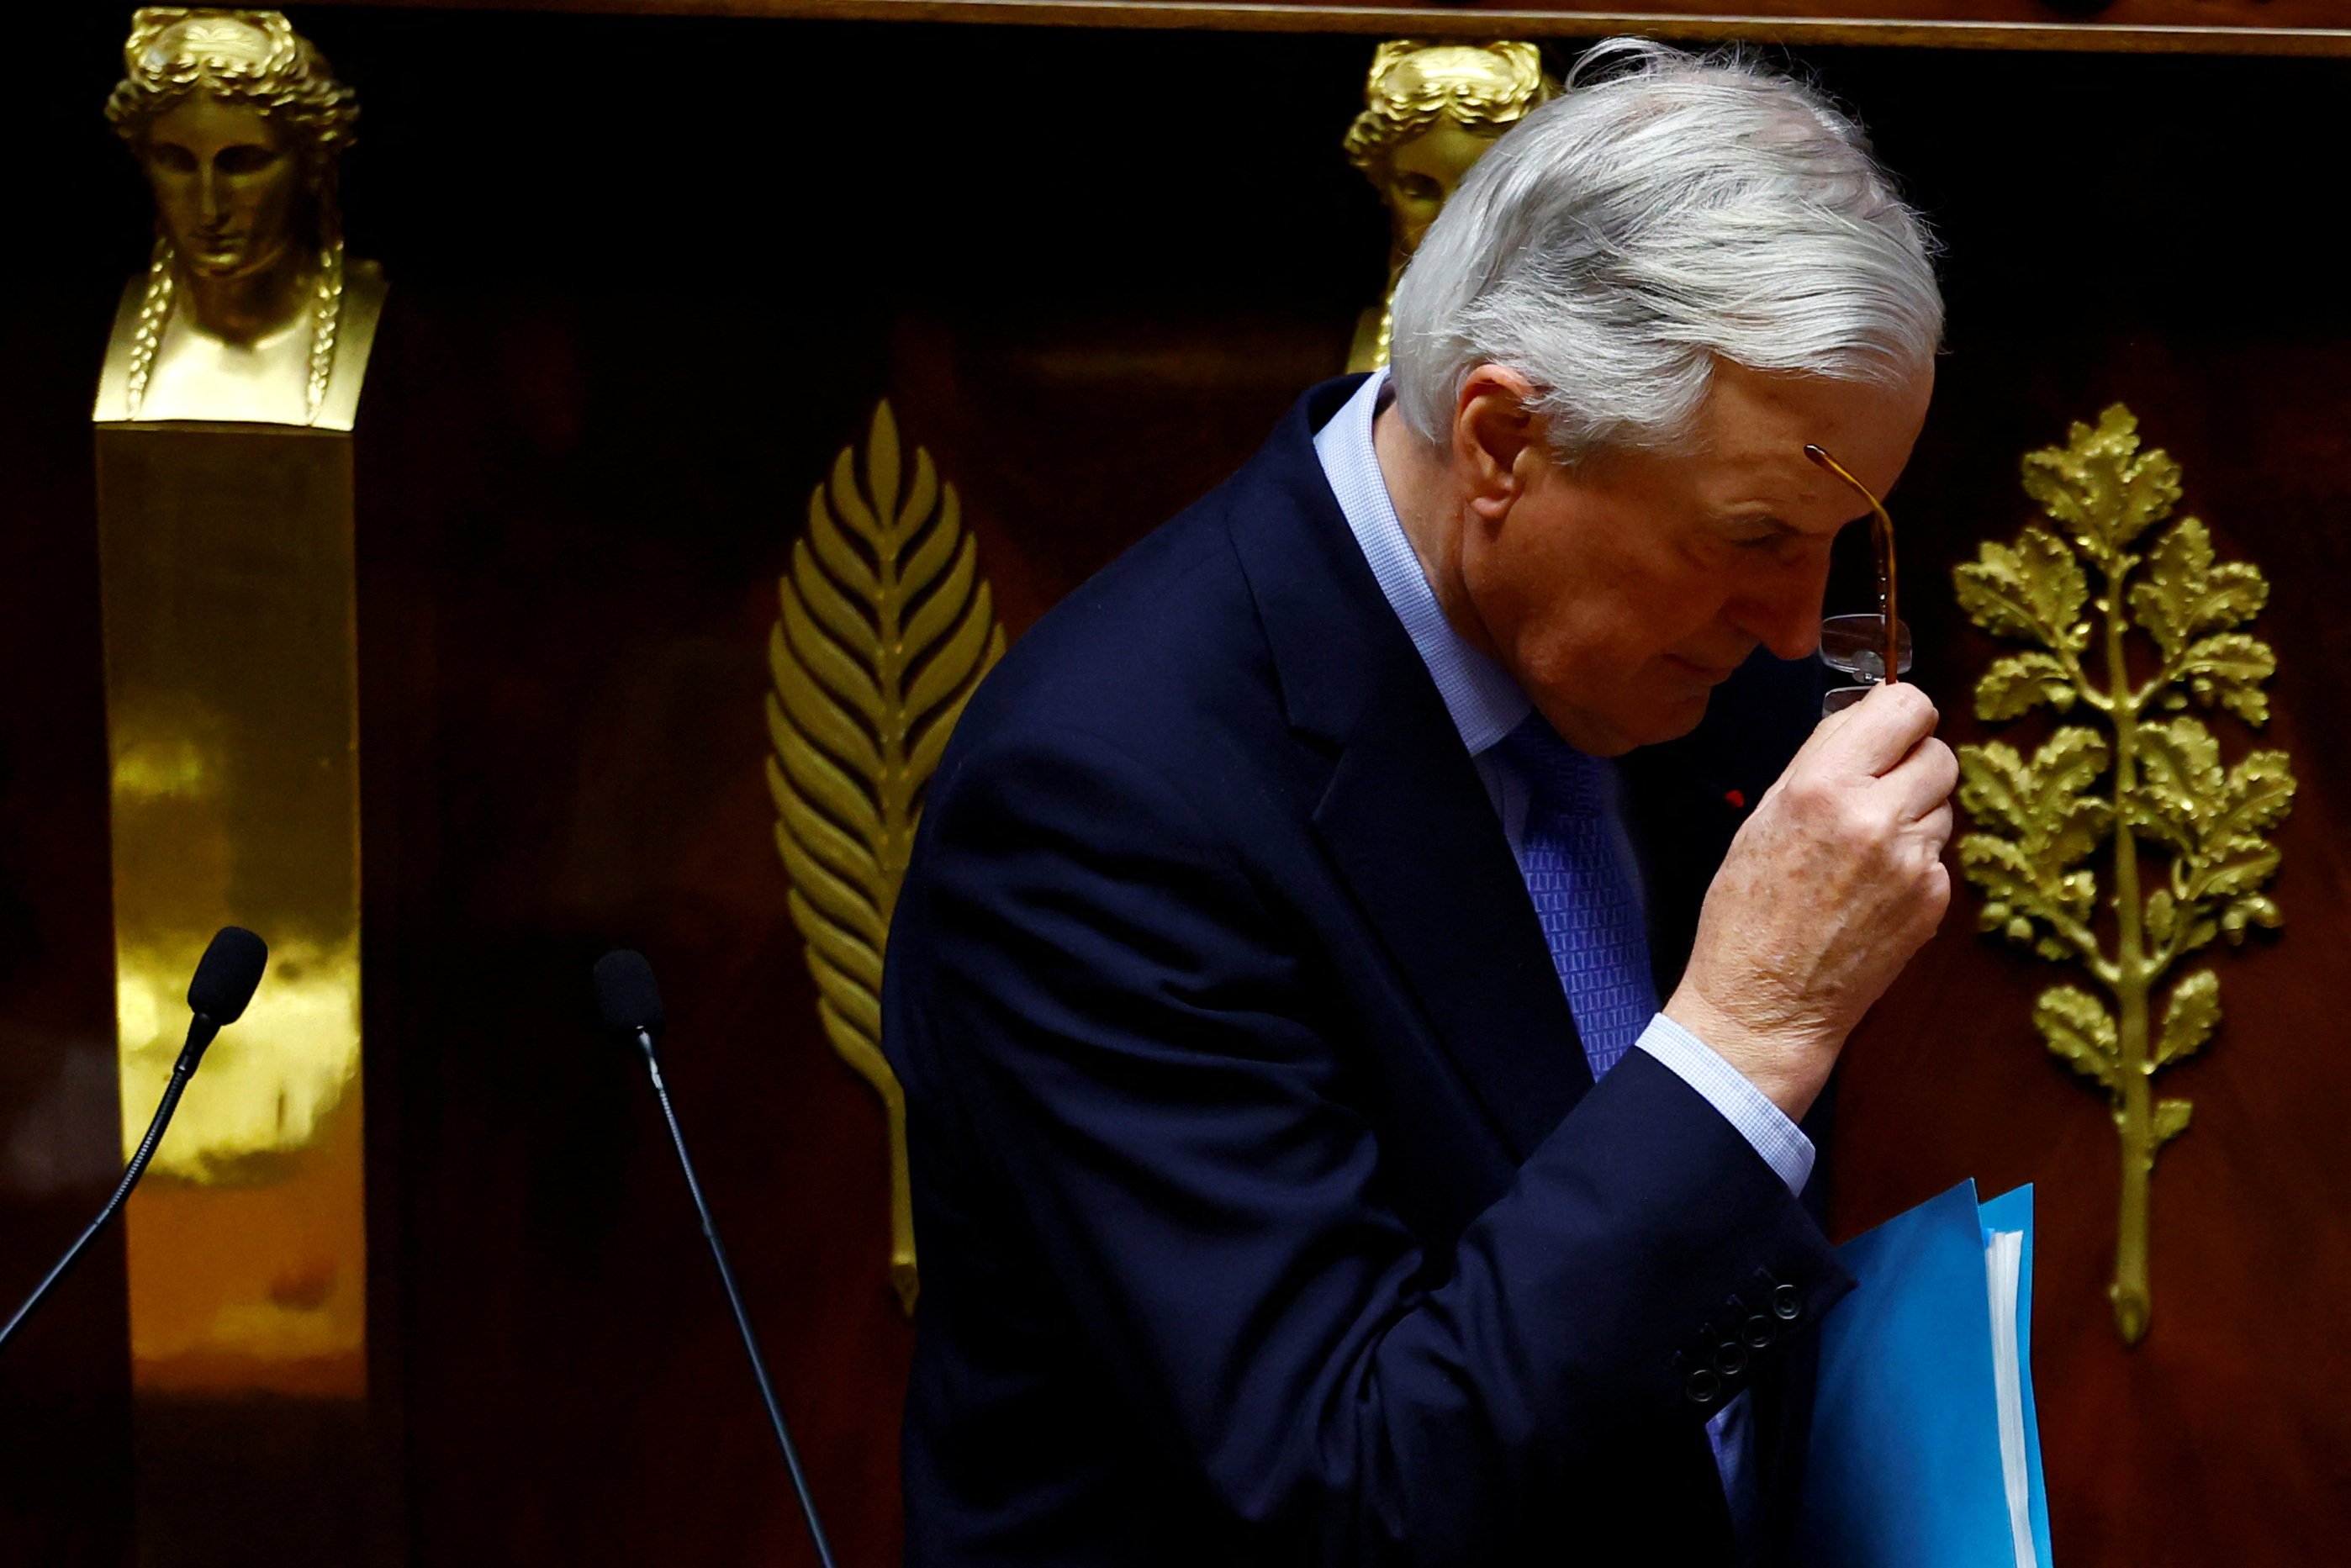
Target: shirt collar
1485, 702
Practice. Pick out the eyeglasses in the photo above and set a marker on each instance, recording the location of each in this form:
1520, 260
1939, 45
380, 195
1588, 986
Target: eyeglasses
1874, 647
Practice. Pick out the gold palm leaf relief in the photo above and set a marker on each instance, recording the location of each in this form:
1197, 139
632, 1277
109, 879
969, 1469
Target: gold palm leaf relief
2129, 620
886, 627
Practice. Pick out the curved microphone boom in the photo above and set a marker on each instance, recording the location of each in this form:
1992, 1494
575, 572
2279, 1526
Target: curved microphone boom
630, 1005
223, 983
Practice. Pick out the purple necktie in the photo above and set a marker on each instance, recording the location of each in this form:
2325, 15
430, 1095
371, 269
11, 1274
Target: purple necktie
1572, 857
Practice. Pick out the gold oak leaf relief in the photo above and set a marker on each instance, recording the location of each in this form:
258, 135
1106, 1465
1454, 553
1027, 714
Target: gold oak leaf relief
887, 628
2138, 781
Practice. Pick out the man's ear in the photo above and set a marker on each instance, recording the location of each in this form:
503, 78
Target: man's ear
1497, 439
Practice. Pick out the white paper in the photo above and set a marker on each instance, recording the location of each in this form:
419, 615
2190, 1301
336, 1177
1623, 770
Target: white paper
2003, 1266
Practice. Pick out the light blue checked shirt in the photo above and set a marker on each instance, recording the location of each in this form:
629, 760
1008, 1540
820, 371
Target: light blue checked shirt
1486, 705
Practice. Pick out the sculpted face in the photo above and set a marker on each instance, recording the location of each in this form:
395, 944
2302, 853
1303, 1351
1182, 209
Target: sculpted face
1622, 591
1422, 173
227, 186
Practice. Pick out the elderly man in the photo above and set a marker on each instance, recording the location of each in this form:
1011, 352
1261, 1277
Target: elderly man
1305, 1169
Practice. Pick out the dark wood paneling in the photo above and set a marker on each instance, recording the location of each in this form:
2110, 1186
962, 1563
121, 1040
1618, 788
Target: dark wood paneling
613, 366
2140, 236
65, 1438
65, 1449
2225, 1414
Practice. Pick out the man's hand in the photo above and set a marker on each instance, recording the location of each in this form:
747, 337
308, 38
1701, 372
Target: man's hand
1832, 884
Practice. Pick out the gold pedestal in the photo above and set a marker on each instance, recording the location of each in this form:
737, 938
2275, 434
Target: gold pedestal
232, 717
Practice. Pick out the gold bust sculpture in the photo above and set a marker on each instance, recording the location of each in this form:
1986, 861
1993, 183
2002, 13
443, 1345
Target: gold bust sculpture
1430, 110
249, 312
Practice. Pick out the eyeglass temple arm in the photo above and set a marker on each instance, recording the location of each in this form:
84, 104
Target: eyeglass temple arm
1881, 536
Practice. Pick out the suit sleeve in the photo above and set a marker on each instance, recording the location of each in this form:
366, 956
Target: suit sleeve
1129, 1023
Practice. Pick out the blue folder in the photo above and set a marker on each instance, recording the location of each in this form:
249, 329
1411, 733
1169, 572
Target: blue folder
1904, 1466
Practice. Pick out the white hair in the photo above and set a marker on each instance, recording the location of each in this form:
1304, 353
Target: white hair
1664, 212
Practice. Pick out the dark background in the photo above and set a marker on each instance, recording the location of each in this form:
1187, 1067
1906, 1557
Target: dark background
648, 276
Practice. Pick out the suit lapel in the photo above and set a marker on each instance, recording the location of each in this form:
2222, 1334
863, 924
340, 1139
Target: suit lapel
1409, 826
1403, 816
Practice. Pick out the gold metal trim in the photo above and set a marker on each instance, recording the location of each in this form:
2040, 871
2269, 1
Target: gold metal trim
1240, 15
887, 628
225, 557
2147, 789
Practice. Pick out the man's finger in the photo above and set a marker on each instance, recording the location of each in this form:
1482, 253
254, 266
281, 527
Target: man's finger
1882, 728
1936, 825
1828, 725
1924, 780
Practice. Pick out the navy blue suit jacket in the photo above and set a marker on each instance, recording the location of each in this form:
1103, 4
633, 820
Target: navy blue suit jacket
1267, 1209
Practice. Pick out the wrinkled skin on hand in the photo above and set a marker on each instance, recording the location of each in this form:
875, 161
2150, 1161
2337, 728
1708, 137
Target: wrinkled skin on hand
1835, 881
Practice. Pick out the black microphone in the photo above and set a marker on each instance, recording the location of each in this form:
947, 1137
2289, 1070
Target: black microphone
225, 980
630, 1005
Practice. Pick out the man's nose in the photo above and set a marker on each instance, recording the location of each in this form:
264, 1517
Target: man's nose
1782, 612
207, 191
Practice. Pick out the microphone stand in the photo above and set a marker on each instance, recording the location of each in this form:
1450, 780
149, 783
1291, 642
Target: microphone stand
200, 1031
735, 1299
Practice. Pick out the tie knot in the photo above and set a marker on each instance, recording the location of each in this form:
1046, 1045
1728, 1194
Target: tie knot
1564, 780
